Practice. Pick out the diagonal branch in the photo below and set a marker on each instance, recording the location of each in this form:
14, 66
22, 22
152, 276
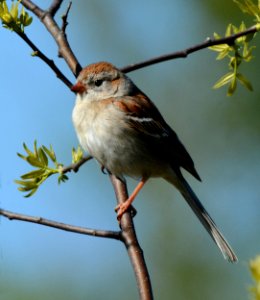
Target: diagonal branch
59, 37
49, 62
62, 226
184, 53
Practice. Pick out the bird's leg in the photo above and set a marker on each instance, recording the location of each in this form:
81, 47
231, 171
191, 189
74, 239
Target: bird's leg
123, 207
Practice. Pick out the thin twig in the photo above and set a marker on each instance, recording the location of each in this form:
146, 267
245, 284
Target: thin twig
75, 167
62, 226
184, 53
64, 18
49, 62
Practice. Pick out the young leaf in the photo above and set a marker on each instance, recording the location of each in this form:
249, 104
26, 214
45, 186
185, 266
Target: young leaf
224, 80
244, 81
33, 174
77, 155
29, 152
50, 153
43, 157
14, 11
33, 191
35, 162
232, 86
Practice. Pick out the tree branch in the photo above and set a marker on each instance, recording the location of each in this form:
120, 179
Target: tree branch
77, 229
54, 7
57, 34
130, 240
184, 53
75, 167
49, 62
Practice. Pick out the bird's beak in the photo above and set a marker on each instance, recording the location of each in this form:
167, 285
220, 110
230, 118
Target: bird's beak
79, 88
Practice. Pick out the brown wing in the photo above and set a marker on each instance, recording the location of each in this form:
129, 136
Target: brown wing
144, 117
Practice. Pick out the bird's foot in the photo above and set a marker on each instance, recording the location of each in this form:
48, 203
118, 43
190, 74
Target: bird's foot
122, 208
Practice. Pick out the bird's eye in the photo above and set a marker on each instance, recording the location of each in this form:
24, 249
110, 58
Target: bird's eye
98, 82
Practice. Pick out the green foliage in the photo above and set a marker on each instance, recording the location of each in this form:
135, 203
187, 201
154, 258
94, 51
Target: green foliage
250, 8
77, 155
254, 266
12, 19
39, 158
239, 51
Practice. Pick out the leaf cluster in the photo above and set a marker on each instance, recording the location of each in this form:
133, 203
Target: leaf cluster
12, 19
248, 7
238, 51
39, 158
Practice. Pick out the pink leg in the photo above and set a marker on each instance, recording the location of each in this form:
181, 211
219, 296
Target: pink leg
123, 207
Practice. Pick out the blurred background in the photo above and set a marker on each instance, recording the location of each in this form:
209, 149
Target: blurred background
221, 134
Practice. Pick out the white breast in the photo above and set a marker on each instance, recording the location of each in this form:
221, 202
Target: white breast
104, 134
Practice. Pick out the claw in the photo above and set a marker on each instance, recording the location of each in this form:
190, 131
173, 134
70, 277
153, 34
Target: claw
103, 170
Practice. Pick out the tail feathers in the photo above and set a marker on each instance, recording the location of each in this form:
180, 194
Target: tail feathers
206, 220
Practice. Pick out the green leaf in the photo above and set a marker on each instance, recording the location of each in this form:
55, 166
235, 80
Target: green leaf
216, 36
62, 178
43, 157
7, 18
250, 8
223, 54
229, 30
50, 153
26, 188
27, 150
35, 162
28, 184
244, 81
28, 20
232, 86
224, 80
31, 193
35, 148
14, 11
22, 156
21, 182
219, 48
33, 174
77, 155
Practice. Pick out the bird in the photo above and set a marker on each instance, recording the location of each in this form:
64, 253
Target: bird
118, 125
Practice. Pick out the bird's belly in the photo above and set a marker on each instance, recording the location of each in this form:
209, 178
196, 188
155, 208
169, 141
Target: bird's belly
121, 153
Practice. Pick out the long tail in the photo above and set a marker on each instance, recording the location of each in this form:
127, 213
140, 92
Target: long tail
204, 218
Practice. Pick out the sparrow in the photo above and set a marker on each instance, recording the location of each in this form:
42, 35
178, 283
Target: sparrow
123, 130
